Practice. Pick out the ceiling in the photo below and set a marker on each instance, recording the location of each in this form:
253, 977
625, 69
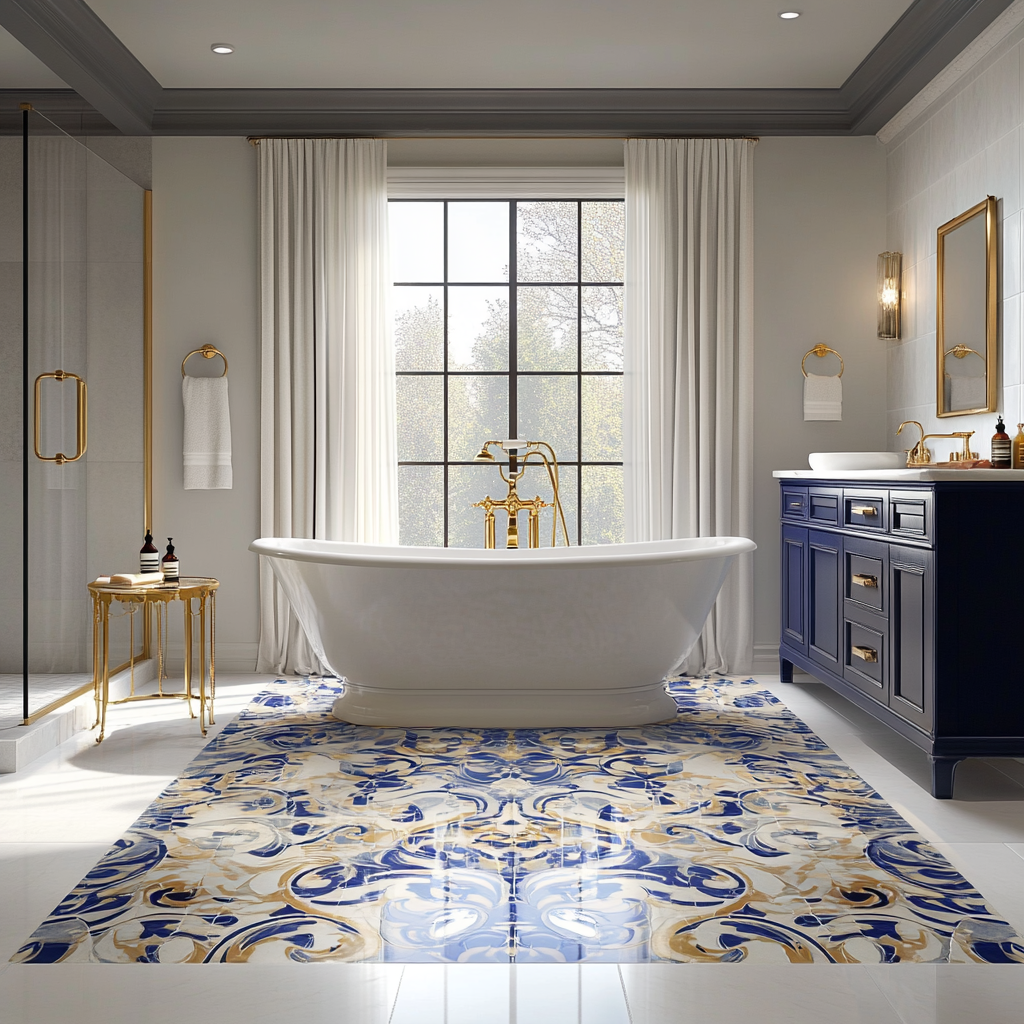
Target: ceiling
475, 67
480, 44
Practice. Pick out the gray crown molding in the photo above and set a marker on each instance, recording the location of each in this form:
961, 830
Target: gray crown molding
963, 63
68, 37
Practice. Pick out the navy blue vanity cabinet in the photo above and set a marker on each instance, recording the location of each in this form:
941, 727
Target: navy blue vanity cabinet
903, 599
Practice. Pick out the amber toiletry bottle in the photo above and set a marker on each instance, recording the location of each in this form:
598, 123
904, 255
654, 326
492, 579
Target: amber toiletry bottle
169, 563
149, 557
1001, 447
1018, 448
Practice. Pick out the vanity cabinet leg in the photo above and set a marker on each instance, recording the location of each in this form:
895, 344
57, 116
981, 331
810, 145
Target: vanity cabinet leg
785, 671
943, 769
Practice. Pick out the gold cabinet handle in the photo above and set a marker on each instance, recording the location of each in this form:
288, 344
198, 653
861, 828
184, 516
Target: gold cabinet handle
796, 504
865, 653
82, 417
864, 510
863, 580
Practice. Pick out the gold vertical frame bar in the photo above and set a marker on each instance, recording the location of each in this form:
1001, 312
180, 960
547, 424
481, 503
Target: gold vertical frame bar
147, 393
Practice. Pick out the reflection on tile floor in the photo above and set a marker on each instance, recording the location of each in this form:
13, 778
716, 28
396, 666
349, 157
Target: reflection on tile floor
732, 834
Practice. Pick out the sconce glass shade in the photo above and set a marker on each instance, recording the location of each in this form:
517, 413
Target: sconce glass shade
890, 269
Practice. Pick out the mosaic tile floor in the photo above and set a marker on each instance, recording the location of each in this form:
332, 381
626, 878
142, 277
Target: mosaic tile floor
733, 834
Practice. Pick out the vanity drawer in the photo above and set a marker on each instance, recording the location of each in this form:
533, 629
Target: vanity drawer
865, 510
910, 514
794, 502
823, 505
863, 661
865, 579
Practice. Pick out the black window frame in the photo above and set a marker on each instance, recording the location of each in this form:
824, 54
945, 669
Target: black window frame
513, 372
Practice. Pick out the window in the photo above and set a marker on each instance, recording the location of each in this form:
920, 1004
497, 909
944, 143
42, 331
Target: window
507, 323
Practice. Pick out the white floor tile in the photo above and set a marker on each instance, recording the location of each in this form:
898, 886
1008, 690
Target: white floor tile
742, 993
504, 994
225, 994
953, 994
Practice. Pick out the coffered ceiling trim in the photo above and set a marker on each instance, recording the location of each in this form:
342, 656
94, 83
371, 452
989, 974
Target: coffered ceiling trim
68, 37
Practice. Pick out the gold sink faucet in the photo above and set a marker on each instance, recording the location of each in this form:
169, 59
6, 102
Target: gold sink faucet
919, 455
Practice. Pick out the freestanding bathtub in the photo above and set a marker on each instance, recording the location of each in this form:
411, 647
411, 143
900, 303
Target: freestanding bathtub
427, 637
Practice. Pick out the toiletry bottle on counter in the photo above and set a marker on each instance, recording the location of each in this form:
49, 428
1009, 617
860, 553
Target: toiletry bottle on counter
149, 557
169, 563
1018, 448
1001, 447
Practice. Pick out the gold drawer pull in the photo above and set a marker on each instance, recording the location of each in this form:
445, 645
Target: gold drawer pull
864, 510
863, 580
867, 653
796, 504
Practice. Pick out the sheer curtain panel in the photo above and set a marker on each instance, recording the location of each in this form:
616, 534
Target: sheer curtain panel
688, 412
328, 447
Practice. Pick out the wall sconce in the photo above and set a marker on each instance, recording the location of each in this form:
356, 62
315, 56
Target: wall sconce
890, 267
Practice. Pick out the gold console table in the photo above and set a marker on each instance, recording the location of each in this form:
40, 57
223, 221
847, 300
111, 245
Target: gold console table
199, 590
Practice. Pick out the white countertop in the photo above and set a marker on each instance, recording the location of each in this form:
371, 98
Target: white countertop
924, 475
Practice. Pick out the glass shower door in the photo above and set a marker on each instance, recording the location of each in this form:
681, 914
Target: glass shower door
81, 468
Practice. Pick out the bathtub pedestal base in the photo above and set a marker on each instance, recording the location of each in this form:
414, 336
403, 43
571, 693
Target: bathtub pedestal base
494, 709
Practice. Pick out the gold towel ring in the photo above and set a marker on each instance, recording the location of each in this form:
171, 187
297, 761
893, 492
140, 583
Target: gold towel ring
207, 352
961, 351
821, 350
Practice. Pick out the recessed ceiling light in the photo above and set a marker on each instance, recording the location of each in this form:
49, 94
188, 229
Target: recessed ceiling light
228, 48
789, 15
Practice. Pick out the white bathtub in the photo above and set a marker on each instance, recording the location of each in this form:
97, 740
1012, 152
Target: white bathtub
579, 636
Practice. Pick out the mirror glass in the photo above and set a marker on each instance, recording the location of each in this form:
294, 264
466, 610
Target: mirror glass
966, 312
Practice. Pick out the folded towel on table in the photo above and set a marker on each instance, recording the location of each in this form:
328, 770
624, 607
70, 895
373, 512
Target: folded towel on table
823, 398
207, 442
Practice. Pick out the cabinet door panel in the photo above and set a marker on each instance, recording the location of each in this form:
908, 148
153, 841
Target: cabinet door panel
824, 598
794, 570
911, 616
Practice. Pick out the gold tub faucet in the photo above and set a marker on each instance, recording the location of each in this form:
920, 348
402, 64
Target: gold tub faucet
519, 453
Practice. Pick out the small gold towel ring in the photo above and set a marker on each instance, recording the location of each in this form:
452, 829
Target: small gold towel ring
821, 350
961, 351
207, 352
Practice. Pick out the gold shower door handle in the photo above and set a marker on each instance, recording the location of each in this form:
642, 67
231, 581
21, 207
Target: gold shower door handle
865, 653
82, 417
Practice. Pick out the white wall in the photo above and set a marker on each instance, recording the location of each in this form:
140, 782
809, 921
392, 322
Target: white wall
963, 147
818, 228
205, 289
819, 225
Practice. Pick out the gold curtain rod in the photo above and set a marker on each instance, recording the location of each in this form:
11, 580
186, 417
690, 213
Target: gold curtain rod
255, 140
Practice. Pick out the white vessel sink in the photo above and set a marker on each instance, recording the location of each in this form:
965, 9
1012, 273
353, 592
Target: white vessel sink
840, 462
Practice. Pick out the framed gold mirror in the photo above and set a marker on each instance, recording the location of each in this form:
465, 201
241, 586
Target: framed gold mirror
966, 312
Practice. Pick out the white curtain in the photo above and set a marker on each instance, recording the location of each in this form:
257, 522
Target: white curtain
689, 388
328, 446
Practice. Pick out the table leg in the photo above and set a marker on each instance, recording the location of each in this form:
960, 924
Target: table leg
96, 656
213, 650
202, 664
187, 605
106, 671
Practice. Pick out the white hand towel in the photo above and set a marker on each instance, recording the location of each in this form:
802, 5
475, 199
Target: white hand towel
207, 443
823, 398
966, 393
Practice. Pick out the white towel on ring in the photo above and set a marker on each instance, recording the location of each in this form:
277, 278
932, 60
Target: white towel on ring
206, 448
823, 397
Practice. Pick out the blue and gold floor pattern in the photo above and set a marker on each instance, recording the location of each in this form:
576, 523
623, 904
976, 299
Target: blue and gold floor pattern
732, 834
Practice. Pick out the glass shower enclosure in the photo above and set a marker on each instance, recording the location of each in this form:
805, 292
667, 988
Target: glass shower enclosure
74, 433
